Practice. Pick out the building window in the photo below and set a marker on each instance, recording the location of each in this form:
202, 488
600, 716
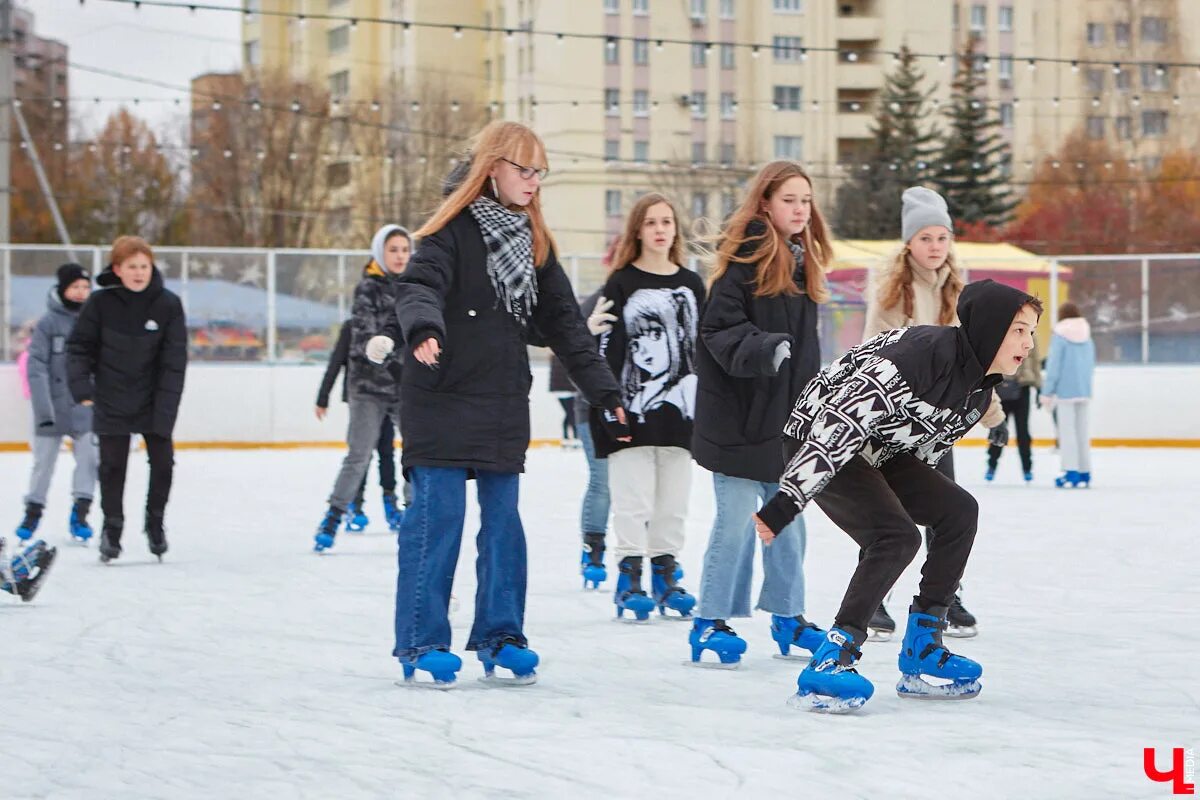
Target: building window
1095, 127
1121, 34
699, 54
339, 84
1006, 115
1004, 69
726, 56
338, 40
787, 48
699, 153
1124, 127
1154, 123
612, 6
1124, 80
641, 7
699, 105
641, 51
727, 105
1095, 33
1151, 164
699, 9
612, 52
699, 205
789, 147
1095, 80
978, 17
1004, 19
788, 6
729, 202
1154, 29
1152, 80
337, 175
612, 202
726, 9
612, 102
612, 149
788, 98
727, 151
252, 53
641, 102
641, 151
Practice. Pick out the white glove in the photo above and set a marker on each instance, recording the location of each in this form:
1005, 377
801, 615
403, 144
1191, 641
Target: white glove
782, 353
379, 348
601, 321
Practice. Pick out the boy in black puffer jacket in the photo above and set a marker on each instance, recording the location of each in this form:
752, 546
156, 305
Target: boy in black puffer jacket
126, 358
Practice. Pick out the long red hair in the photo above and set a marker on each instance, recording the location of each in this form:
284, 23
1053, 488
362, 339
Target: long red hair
498, 141
769, 248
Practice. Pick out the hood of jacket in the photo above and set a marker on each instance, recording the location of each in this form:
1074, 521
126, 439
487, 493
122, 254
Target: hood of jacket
986, 310
380, 239
1075, 329
55, 305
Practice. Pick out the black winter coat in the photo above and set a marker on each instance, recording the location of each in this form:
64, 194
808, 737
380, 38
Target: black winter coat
128, 354
742, 403
472, 410
373, 314
337, 362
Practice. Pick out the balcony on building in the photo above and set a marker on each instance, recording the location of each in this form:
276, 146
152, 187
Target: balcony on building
858, 20
859, 66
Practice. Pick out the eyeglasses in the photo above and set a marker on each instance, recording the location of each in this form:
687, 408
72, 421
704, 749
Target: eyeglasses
528, 172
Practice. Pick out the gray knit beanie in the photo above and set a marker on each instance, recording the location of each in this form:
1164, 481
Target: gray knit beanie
920, 208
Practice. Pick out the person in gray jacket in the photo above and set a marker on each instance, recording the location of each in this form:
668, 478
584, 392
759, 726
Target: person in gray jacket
55, 412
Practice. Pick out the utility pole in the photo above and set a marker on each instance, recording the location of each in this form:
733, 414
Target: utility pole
6, 104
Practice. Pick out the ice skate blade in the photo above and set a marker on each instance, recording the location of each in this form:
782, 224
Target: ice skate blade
495, 681
961, 631
413, 683
802, 656
633, 620
878, 636
713, 664
824, 704
917, 688
676, 617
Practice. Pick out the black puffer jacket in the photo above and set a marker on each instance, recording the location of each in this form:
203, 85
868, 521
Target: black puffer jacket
128, 354
472, 410
742, 403
373, 314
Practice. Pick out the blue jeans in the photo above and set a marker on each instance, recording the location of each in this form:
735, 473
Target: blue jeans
594, 515
729, 560
428, 545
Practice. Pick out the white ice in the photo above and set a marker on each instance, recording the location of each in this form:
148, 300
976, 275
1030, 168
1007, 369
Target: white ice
246, 666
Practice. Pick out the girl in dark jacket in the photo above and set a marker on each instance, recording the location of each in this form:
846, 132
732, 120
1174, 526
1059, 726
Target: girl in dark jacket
127, 358
758, 349
484, 275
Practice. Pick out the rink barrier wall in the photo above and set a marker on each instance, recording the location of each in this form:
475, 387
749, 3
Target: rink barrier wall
249, 405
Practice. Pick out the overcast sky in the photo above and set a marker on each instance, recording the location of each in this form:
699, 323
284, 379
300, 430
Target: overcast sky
169, 45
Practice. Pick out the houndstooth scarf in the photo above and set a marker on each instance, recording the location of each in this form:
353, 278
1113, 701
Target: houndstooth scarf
509, 242
798, 254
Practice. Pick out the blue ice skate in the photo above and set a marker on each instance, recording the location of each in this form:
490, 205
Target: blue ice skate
829, 683
591, 562
629, 595
29, 523
442, 665
1085, 479
392, 511
716, 637
29, 570
667, 593
80, 530
327, 532
1071, 478
513, 656
1028, 477
924, 654
789, 632
356, 519
990, 475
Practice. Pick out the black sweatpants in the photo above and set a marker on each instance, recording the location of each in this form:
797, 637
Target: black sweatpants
114, 458
880, 509
1018, 411
385, 448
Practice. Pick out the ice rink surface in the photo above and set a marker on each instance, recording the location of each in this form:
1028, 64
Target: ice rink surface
246, 666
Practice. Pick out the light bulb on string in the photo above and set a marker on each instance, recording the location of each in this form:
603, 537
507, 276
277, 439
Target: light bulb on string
458, 31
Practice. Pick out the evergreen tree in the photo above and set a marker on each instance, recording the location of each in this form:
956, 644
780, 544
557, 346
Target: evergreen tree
973, 151
900, 155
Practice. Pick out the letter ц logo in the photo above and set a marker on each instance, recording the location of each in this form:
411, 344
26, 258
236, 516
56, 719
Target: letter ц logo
1177, 776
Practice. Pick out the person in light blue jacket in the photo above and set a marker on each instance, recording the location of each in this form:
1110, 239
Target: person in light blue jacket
1067, 387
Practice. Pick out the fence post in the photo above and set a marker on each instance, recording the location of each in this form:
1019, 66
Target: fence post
183, 279
1053, 293
97, 264
1145, 311
341, 287
575, 273
6, 311
271, 339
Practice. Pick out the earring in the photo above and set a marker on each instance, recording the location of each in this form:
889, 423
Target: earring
495, 190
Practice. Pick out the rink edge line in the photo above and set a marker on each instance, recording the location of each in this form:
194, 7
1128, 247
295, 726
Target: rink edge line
20, 447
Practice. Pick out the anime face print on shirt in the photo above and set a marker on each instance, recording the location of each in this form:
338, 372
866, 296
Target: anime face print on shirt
660, 334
